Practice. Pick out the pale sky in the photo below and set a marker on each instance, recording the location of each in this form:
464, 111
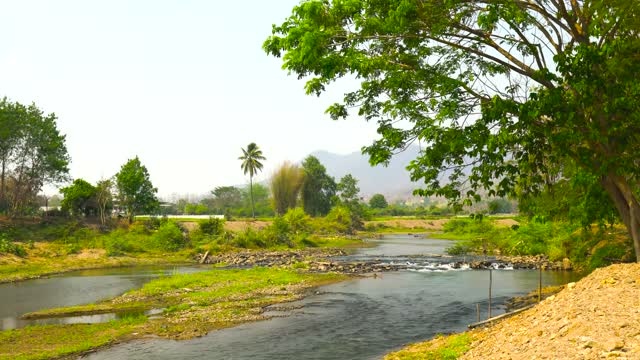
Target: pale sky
183, 84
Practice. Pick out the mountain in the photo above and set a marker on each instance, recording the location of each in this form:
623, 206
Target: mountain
393, 180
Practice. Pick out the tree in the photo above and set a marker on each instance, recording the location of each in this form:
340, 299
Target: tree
136, 194
32, 154
496, 91
285, 187
261, 199
348, 190
318, 189
9, 140
227, 197
104, 199
378, 201
499, 206
349, 198
79, 198
251, 164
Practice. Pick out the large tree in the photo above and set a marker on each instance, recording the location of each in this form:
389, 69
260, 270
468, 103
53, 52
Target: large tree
251, 165
497, 91
136, 193
32, 154
318, 188
227, 197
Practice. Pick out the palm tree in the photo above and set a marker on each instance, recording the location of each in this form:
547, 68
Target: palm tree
251, 164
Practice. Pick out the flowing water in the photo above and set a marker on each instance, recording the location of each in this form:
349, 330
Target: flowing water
75, 288
362, 318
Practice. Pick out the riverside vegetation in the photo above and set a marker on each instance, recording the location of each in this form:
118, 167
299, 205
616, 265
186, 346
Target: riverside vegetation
31, 249
192, 304
587, 248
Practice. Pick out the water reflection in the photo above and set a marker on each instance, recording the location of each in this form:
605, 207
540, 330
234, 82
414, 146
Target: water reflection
75, 288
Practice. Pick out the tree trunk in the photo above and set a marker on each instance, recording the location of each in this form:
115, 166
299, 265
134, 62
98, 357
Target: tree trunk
253, 211
627, 205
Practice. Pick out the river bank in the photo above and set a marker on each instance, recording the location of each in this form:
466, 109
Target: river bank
590, 319
191, 306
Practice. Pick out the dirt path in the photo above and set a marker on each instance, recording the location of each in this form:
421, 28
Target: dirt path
595, 318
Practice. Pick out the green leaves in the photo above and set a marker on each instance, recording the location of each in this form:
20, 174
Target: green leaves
32, 153
136, 193
499, 94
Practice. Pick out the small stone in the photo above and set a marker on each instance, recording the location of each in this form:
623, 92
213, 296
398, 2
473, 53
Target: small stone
571, 285
613, 345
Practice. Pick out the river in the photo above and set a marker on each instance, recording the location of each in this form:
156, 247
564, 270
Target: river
362, 318
75, 288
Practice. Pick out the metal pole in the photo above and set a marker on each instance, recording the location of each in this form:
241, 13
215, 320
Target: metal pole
490, 283
539, 283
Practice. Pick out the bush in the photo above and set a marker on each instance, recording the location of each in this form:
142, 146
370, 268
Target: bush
468, 226
339, 220
213, 226
279, 231
250, 238
168, 237
297, 220
154, 222
532, 238
608, 254
120, 242
8, 247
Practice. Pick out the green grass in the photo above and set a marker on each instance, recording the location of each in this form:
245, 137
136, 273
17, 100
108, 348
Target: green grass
41, 263
50, 341
441, 348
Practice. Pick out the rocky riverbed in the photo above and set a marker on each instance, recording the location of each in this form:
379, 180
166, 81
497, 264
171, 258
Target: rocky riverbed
332, 260
522, 262
314, 260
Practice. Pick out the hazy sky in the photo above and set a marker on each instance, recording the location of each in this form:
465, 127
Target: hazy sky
182, 84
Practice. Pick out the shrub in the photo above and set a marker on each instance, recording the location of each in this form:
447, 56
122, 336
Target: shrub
607, 255
532, 238
297, 220
120, 242
213, 226
468, 226
460, 248
279, 231
339, 220
168, 237
154, 222
8, 247
250, 238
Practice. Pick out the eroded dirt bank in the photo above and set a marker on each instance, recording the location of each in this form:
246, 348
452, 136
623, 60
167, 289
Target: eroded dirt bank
597, 317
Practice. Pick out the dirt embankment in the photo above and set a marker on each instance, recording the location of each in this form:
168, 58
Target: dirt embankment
232, 225
595, 318
430, 225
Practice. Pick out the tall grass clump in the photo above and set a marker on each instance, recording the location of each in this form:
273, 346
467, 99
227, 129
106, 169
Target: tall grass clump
285, 185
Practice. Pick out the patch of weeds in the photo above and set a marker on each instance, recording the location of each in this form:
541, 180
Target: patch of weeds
8, 247
51, 341
440, 348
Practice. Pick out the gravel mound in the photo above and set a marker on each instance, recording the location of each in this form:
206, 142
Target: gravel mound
596, 318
